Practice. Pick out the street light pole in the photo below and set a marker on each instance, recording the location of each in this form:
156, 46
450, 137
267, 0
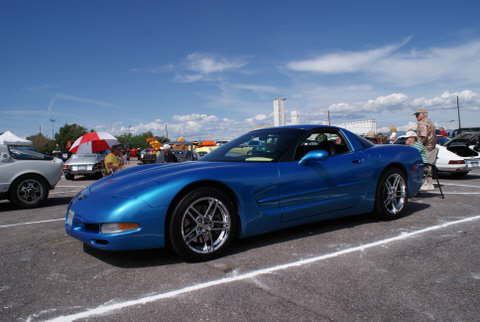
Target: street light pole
458, 112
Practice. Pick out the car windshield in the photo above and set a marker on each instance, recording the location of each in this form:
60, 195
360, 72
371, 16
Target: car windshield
20, 152
258, 146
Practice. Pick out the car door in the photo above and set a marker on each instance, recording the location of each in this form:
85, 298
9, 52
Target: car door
322, 187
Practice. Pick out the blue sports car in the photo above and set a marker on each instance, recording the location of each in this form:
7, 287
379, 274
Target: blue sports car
265, 180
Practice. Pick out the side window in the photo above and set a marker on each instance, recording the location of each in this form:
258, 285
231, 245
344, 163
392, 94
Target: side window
329, 140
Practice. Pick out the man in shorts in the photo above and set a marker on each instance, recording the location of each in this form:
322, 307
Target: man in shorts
426, 135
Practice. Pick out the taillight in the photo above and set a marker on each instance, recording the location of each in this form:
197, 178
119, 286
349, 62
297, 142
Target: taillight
66, 166
456, 162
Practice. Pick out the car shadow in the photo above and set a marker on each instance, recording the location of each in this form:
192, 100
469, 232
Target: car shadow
316, 228
85, 178
134, 258
469, 176
51, 201
159, 257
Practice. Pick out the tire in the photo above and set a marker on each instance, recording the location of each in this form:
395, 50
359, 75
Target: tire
69, 176
28, 191
392, 196
198, 232
98, 175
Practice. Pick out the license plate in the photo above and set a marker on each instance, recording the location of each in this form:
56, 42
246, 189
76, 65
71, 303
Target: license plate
82, 167
74, 168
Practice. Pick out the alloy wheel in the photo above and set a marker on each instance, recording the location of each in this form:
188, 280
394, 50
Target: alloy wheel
205, 225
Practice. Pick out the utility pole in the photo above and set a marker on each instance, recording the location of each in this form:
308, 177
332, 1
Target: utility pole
166, 130
53, 128
458, 111
328, 114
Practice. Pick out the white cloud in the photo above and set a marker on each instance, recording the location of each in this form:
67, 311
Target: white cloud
468, 100
345, 61
388, 64
202, 67
453, 64
395, 100
189, 78
394, 109
206, 64
195, 117
154, 69
257, 88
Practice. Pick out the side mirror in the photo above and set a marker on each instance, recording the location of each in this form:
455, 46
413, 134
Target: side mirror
316, 155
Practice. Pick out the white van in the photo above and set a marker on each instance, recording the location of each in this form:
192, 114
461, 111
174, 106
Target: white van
26, 176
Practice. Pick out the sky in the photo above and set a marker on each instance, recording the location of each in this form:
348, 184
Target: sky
210, 69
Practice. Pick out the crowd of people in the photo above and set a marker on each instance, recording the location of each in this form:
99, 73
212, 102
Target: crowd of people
423, 138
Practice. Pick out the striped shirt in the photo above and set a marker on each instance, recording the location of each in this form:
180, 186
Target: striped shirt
421, 148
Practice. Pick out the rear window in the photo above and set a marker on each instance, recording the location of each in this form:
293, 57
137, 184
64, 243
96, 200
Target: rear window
364, 142
27, 153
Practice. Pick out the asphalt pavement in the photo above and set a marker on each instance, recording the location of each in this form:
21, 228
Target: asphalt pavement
424, 266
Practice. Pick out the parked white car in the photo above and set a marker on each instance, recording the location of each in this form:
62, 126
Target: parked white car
458, 156
27, 176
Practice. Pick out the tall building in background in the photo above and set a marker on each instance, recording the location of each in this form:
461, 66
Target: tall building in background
279, 111
294, 117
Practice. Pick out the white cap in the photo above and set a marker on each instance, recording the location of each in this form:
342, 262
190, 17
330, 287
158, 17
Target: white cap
410, 134
166, 146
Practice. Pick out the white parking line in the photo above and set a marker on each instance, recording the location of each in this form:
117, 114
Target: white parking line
31, 223
455, 193
80, 187
63, 192
460, 185
109, 308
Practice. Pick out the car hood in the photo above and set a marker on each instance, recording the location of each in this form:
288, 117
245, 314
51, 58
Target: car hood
133, 182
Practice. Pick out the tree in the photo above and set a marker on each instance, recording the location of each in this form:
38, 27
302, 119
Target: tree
69, 132
129, 140
41, 143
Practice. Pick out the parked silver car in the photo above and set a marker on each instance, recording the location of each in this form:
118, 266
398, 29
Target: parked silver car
27, 176
85, 165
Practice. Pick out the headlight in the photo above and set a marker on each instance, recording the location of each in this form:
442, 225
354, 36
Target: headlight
118, 228
69, 217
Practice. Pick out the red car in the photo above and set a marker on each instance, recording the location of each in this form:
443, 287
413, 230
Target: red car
133, 153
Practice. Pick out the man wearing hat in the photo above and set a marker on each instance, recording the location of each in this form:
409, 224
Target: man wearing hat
426, 135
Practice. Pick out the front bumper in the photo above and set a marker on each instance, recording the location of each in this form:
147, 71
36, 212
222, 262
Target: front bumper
116, 242
82, 172
149, 235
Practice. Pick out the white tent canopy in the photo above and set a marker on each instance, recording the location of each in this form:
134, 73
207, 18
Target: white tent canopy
8, 137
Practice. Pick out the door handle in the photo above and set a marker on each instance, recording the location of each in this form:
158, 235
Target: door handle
358, 161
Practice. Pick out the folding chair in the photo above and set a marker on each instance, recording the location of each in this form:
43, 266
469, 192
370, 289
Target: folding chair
435, 177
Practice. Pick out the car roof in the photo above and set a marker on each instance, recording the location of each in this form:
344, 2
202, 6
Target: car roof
306, 127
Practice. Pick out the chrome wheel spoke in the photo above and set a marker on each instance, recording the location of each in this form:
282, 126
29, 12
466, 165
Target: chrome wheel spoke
192, 217
395, 193
191, 237
205, 225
